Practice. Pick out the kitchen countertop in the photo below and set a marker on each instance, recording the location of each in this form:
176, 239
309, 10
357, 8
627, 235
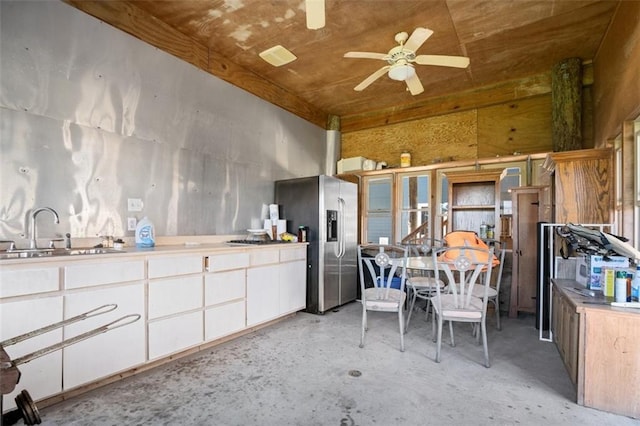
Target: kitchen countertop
172, 245
598, 302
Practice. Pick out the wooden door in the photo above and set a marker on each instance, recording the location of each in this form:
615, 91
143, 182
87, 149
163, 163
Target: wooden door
526, 214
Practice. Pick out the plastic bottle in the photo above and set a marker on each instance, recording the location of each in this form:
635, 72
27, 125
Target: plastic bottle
145, 235
621, 286
405, 159
635, 285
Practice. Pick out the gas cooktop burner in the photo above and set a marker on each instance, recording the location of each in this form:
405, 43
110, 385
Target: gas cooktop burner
254, 242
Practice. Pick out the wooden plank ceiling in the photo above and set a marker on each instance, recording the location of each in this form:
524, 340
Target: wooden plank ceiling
512, 46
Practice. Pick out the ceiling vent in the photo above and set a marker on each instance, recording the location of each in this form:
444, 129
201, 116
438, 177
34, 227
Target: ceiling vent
278, 56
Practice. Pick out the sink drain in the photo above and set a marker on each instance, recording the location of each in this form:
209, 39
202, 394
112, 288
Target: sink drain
355, 373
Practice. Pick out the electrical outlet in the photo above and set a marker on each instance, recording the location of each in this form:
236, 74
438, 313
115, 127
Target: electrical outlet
134, 204
131, 223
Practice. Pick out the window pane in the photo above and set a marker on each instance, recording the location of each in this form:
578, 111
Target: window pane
379, 195
378, 221
415, 192
378, 226
412, 219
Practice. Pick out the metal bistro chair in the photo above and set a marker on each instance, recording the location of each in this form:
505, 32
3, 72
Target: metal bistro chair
384, 268
496, 280
422, 284
465, 269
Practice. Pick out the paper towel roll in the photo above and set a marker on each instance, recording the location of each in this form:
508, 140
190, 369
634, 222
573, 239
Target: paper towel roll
273, 212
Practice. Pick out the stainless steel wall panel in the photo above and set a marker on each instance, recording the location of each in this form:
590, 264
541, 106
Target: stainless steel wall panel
90, 116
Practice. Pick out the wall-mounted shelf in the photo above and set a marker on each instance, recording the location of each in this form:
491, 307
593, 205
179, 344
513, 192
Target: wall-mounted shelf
474, 198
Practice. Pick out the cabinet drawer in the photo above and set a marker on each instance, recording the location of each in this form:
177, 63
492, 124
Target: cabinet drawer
264, 257
28, 281
222, 262
86, 275
224, 286
298, 253
224, 320
171, 296
168, 266
175, 334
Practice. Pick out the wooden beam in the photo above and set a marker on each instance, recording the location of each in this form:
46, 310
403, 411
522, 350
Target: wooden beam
138, 23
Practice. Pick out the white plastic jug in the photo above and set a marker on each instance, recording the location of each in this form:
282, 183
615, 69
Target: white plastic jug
145, 235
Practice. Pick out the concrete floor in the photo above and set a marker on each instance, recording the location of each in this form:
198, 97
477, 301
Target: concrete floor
297, 372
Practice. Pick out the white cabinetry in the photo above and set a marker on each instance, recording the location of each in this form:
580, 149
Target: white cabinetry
175, 304
42, 376
263, 294
95, 284
293, 280
182, 305
224, 294
22, 281
107, 353
278, 287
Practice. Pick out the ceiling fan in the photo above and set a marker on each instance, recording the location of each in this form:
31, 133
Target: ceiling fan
401, 59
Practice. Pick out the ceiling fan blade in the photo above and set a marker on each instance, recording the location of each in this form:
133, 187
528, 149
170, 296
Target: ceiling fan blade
414, 85
315, 14
418, 37
373, 77
443, 60
366, 55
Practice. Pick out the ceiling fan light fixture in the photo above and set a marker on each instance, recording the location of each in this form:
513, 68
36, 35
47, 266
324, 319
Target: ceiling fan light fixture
402, 72
277, 56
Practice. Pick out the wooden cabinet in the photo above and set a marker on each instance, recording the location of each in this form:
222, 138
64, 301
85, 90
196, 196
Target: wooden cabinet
474, 198
528, 209
600, 346
582, 183
565, 321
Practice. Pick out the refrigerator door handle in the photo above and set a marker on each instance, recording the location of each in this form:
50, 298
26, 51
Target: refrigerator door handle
341, 242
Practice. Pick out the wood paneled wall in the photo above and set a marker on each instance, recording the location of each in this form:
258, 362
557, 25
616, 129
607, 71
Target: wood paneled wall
521, 126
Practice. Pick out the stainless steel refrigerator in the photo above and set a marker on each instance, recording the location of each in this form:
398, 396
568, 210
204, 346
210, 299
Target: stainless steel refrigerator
329, 208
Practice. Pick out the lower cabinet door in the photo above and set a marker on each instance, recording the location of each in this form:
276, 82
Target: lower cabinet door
107, 353
173, 334
225, 319
41, 377
293, 286
263, 294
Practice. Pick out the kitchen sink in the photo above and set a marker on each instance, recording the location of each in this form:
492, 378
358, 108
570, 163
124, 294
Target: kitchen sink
29, 253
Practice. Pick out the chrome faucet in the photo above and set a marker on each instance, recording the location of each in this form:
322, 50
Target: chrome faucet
32, 229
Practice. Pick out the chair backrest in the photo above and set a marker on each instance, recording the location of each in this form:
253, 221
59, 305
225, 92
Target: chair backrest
467, 239
382, 266
499, 251
464, 269
423, 246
